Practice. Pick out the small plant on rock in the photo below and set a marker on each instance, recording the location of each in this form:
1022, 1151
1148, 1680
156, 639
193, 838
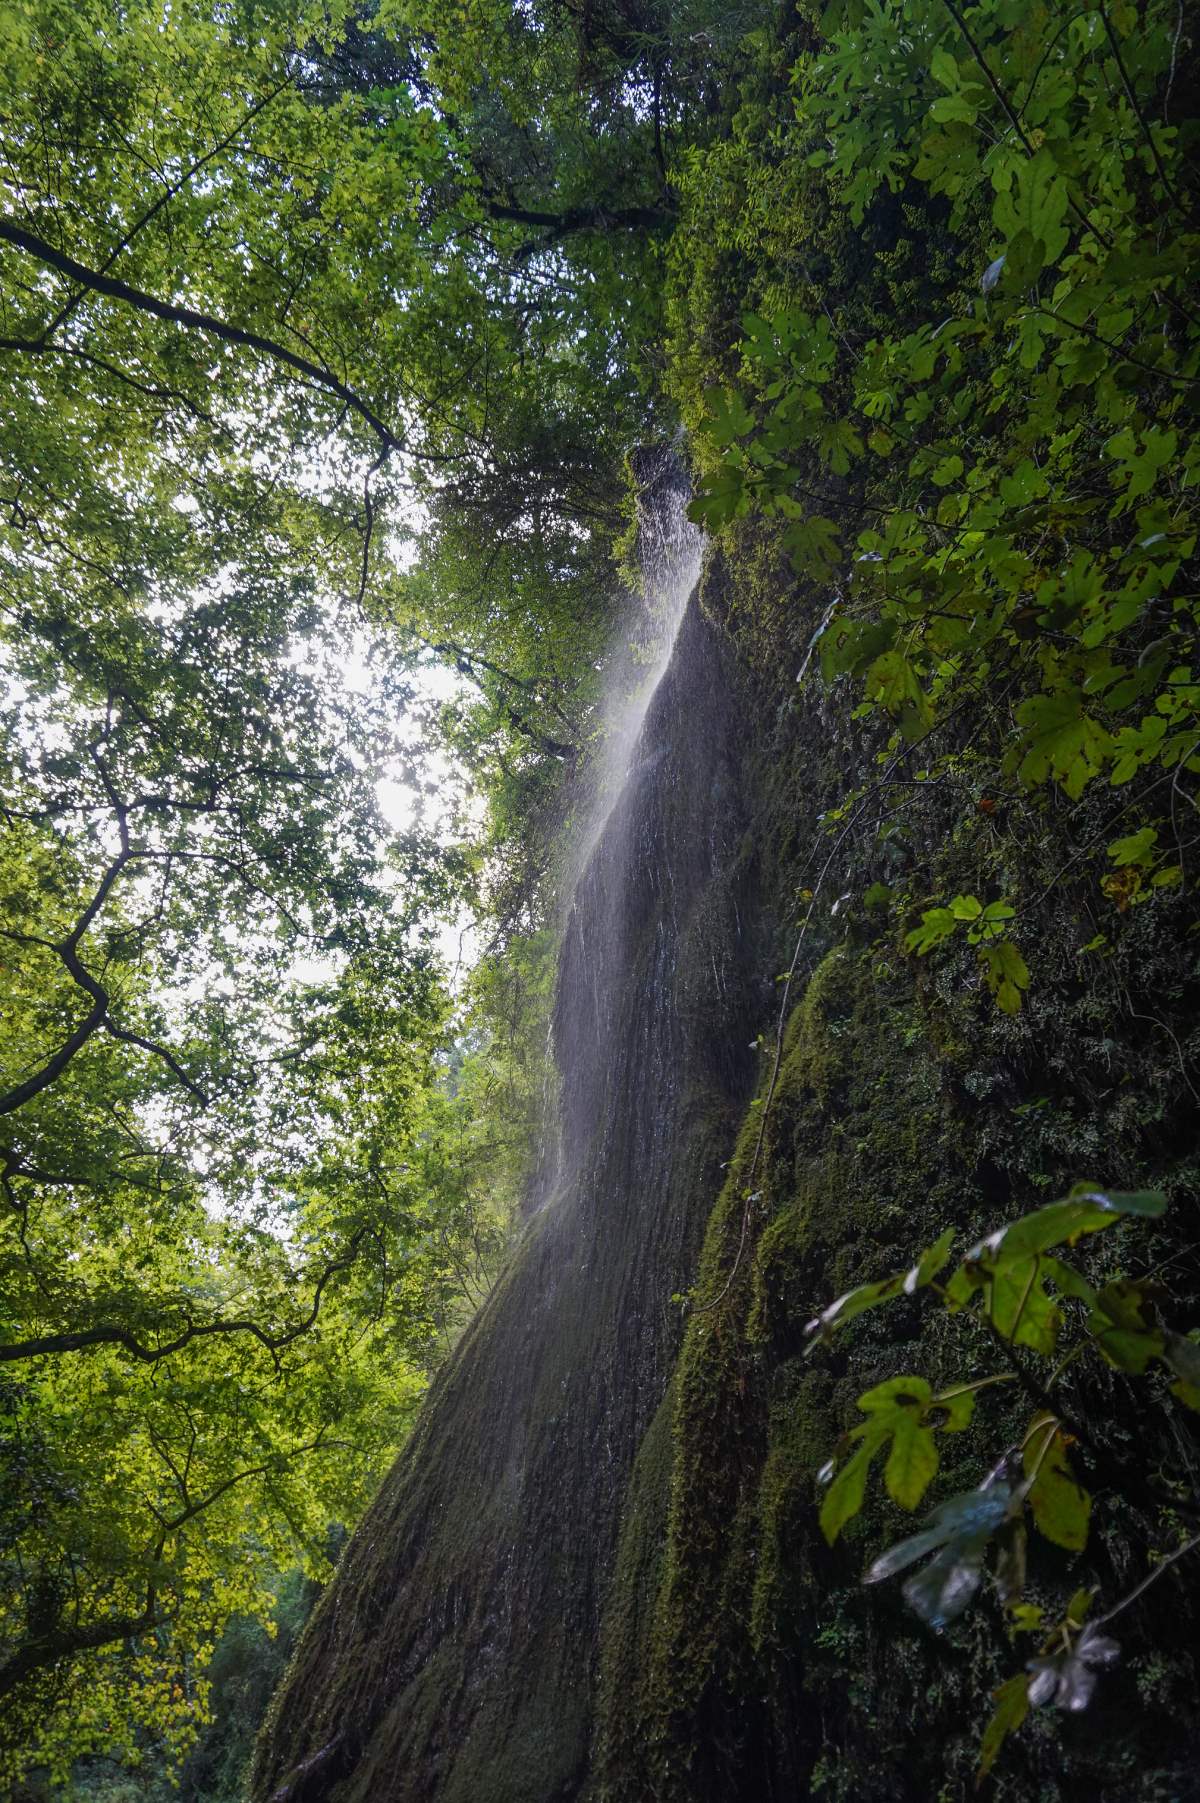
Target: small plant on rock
1040, 1310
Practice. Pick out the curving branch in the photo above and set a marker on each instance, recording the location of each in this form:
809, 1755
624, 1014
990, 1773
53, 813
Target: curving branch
86, 1338
170, 191
152, 390
594, 218
101, 283
1139, 115
469, 663
68, 951
98, 1016
49, 1649
44, 1650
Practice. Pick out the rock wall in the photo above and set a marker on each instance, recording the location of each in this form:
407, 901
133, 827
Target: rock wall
455, 1654
596, 1571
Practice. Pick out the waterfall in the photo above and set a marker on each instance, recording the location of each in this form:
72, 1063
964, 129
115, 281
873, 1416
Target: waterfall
669, 556
455, 1655
669, 552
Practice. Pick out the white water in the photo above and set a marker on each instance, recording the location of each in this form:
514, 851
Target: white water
670, 552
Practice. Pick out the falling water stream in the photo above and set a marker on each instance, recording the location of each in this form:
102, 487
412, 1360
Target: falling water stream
670, 550
455, 1656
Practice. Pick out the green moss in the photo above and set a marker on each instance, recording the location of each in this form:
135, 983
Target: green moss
895, 1113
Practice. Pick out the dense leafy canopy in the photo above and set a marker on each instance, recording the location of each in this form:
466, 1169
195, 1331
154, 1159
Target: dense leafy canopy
254, 1164
987, 455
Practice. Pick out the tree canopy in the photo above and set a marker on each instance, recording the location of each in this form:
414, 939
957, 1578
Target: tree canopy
253, 275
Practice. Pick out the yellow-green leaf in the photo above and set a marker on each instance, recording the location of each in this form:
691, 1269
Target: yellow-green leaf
1061, 1506
844, 1497
913, 1460
1011, 1708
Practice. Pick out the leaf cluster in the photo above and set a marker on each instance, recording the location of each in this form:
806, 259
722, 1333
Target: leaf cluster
1027, 1298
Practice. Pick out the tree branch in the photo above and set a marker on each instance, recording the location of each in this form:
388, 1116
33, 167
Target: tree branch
577, 219
190, 317
67, 951
112, 1335
64, 1643
1138, 114
168, 194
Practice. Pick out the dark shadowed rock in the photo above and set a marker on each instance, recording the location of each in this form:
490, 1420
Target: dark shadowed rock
455, 1654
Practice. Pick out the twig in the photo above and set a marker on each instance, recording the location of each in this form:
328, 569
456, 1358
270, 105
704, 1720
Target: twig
1151, 1577
208, 323
1174, 58
1131, 97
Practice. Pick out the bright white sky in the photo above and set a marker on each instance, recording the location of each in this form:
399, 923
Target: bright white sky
400, 803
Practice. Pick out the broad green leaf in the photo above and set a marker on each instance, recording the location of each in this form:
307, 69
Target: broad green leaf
948, 470
844, 1497
951, 108
892, 681
1140, 468
1005, 972
932, 1261
896, 1392
856, 1302
1085, 1211
1019, 1307
1135, 848
1068, 1281
814, 545
729, 417
944, 69
1060, 740
839, 445
937, 924
1035, 206
912, 1462
1127, 1349
716, 504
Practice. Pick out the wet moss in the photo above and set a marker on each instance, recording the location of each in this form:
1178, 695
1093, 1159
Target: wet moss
901, 1107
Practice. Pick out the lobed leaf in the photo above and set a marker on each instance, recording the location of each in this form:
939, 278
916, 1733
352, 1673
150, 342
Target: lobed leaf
844, 1497
913, 1460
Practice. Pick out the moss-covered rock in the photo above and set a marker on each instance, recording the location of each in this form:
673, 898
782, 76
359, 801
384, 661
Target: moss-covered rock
904, 1102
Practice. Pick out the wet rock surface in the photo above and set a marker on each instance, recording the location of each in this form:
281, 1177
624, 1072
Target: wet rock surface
455, 1654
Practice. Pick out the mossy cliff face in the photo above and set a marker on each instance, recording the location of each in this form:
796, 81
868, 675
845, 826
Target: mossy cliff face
454, 1654
757, 1667
596, 1572
742, 1658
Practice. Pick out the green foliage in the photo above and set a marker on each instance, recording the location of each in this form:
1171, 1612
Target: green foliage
994, 466
1003, 1281
257, 1164
1012, 1706
337, 370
